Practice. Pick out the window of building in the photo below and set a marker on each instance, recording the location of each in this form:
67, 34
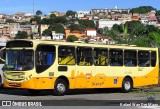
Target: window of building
116, 57
66, 55
84, 56
144, 58
153, 58
130, 58
100, 57
45, 57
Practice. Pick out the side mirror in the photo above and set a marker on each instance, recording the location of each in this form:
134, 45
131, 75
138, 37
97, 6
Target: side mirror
3, 54
3, 68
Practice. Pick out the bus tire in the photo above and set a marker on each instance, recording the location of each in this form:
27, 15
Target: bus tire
33, 92
60, 87
127, 85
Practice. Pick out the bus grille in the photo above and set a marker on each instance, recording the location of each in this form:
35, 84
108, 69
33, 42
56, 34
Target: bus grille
14, 76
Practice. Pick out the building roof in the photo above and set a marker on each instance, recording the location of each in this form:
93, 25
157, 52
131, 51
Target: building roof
93, 29
86, 36
81, 32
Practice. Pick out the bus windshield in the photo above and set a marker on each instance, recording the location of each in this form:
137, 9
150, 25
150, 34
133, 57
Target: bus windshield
19, 60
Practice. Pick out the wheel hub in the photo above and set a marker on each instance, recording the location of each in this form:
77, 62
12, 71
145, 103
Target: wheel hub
127, 85
61, 87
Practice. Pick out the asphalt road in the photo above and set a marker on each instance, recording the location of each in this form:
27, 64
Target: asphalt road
93, 98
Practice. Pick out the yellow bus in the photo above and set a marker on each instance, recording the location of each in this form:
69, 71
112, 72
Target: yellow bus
38, 64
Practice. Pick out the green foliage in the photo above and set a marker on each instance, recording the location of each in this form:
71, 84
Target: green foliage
158, 13
10, 21
86, 40
39, 13
134, 32
87, 23
132, 25
155, 39
52, 16
70, 13
73, 27
61, 19
117, 27
37, 19
71, 38
142, 42
25, 23
45, 21
58, 28
142, 9
47, 32
21, 35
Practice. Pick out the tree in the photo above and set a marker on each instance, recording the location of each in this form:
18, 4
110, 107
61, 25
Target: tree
47, 32
71, 38
39, 13
25, 23
142, 9
58, 28
21, 35
125, 31
73, 27
87, 23
37, 19
52, 16
70, 13
132, 25
10, 21
142, 42
45, 21
155, 39
61, 19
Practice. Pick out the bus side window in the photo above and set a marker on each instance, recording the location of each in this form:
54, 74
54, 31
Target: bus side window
144, 58
116, 57
130, 58
84, 56
101, 57
153, 58
66, 55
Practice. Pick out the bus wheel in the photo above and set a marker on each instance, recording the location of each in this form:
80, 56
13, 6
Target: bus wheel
126, 85
33, 92
60, 87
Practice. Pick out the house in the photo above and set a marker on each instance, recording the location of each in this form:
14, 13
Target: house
14, 28
108, 23
91, 32
135, 18
57, 35
75, 33
42, 28
26, 28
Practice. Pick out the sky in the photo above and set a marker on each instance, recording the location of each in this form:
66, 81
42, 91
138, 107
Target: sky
46, 6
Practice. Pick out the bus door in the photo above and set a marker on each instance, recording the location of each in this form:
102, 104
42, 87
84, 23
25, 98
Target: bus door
85, 69
45, 65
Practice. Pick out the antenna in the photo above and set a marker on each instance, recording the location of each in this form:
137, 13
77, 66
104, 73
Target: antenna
33, 7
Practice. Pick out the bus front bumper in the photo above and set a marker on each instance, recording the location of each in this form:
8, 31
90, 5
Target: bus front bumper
33, 83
